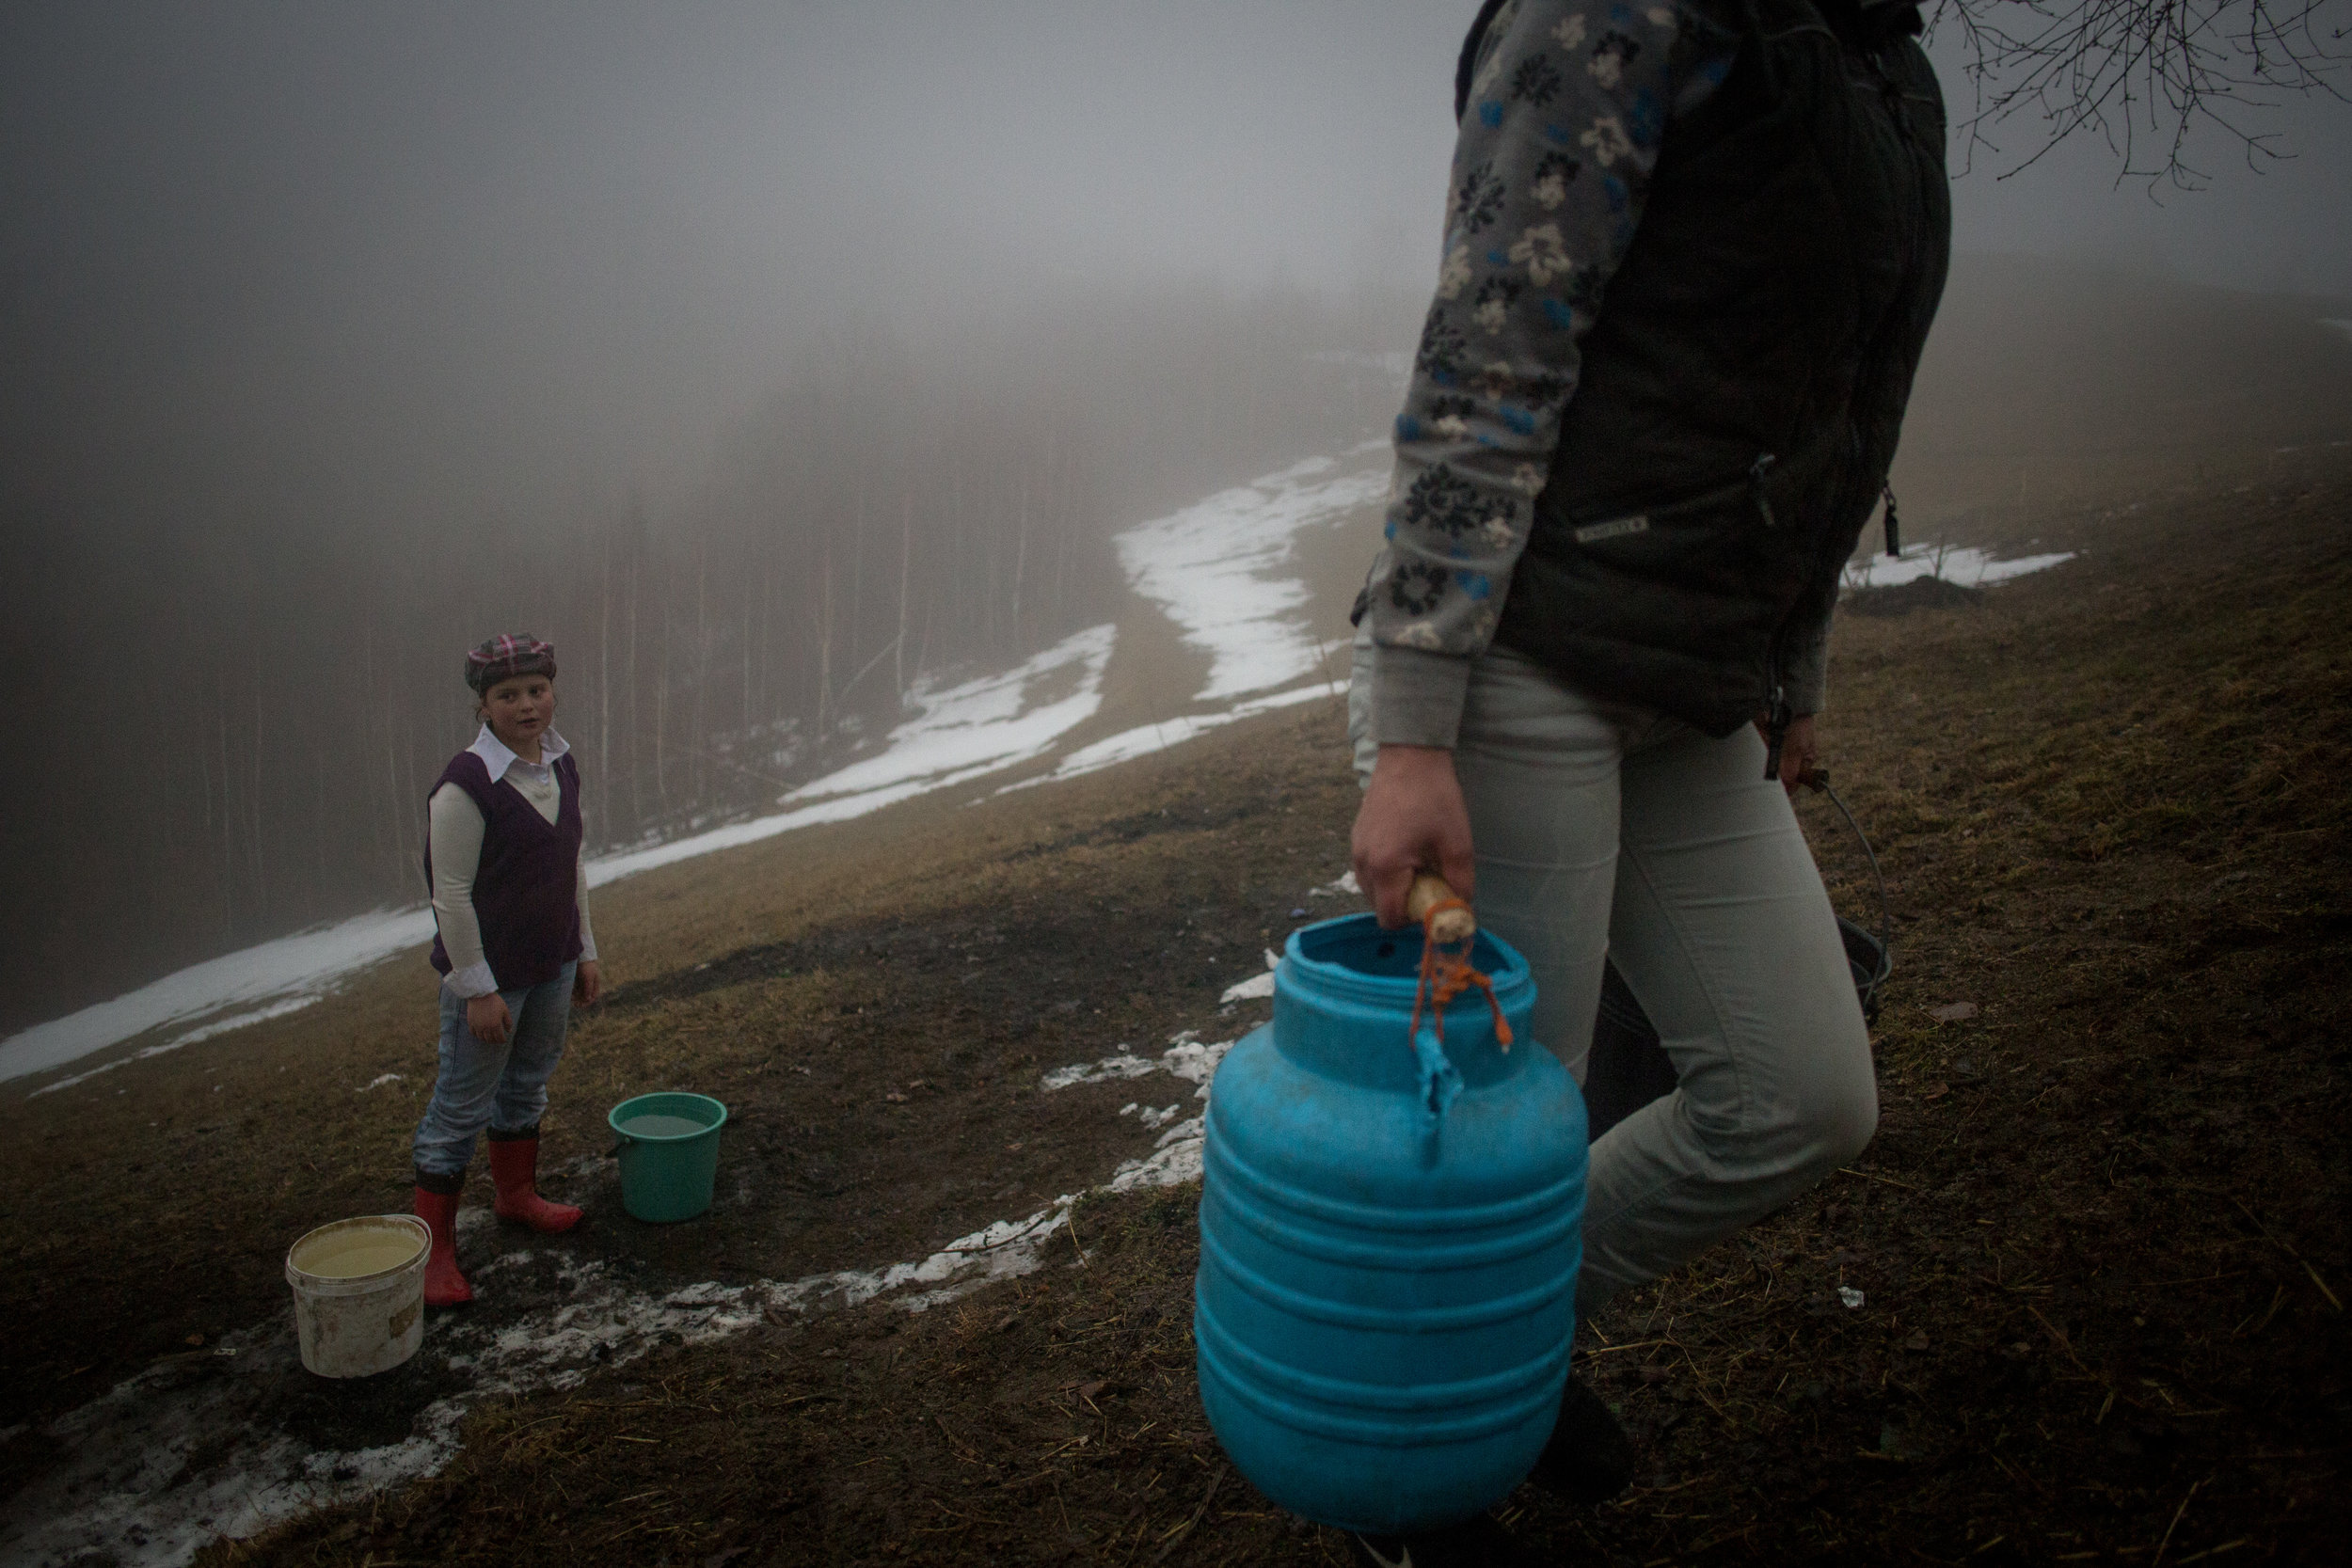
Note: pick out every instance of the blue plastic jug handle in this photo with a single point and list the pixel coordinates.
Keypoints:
(1440, 1080)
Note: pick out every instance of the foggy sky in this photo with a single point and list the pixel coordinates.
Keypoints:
(359, 259)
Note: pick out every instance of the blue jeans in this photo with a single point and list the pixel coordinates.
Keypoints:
(501, 1086)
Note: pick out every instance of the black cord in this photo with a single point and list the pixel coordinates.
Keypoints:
(1886, 919)
(1817, 779)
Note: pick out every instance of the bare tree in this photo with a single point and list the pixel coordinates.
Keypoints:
(604, 694)
(906, 553)
(824, 652)
(2144, 74)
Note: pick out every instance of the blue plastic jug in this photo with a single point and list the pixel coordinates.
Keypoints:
(1390, 1235)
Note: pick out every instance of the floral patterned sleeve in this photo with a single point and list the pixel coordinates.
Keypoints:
(1567, 106)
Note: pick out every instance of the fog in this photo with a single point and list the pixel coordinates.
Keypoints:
(567, 244)
(741, 344)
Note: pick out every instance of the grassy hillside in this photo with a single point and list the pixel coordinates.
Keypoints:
(2102, 1234)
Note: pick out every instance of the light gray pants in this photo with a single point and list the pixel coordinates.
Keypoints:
(1610, 832)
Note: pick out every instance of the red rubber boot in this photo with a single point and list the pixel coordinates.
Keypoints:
(443, 1285)
(514, 1172)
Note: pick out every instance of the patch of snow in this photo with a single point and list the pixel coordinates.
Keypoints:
(990, 723)
(1145, 739)
(1189, 1058)
(123, 1491)
(82, 1077)
(1003, 1250)
(211, 1031)
(378, 1081)
(1256, 988)
(1109, 1068)
(1175, 1158)
(1216, 568)
(268, 980)
(1186, 1057)
(962, 733)
(1969, 567)
(1175, 1161)
(1258, 985)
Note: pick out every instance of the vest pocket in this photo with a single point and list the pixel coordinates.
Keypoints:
(1733, 503)
(1719, 538)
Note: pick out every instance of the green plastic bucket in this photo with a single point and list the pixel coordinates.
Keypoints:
(667, 1171)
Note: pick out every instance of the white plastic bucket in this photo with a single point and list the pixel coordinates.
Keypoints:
(358, 1288)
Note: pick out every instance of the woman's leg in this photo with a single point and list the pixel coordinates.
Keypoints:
(1538, 765)
(542, 1014)
(1725, 935)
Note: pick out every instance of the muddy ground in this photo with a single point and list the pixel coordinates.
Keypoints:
(2101, 1238)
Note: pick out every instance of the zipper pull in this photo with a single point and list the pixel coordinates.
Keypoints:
(1893, 528)
(1758, 471)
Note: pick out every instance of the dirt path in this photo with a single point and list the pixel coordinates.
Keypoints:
(2100, 1242)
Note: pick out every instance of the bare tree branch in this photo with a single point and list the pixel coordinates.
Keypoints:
(2144, 74)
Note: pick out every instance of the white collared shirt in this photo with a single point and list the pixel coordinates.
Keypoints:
(534, 781)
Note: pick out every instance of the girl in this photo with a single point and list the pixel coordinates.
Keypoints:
(510, 902)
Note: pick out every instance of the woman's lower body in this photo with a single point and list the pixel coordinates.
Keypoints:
(502, 1089)
(1606, 832)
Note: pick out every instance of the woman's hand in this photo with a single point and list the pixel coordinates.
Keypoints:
(587, 984)
(1798, 750)
(1412, 819)
(488, 1016)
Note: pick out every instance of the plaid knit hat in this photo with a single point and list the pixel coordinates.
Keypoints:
(508, 654)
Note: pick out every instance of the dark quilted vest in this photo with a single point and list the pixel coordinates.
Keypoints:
(525, 892)
(1743, 388)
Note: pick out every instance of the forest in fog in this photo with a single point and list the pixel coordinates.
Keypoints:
(769, 359)
(225, 727)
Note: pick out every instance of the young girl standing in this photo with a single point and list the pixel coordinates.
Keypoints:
(510, 900)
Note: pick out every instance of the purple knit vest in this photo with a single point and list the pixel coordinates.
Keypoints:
(526, 891)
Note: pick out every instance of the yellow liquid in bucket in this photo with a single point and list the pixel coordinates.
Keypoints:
(657, 1126)
(363, 1256)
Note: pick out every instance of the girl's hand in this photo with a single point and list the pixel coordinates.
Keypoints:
(587, 984)
(488, 1016)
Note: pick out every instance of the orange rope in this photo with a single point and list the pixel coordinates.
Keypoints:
(1446, 974)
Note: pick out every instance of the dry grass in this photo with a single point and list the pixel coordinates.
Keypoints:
(2102, 1236)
